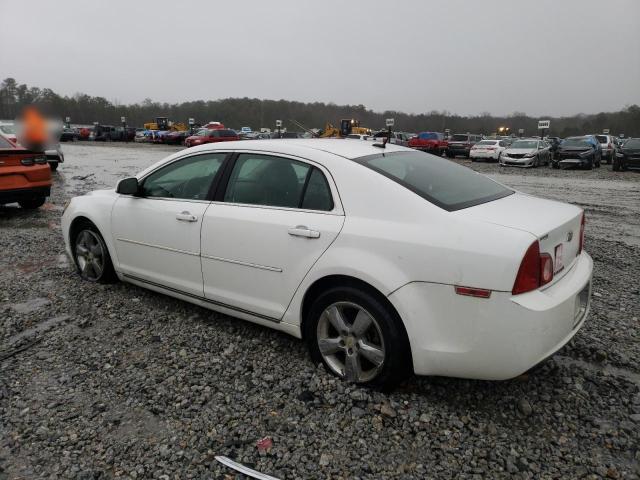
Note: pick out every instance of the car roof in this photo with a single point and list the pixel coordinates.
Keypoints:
(295, 146)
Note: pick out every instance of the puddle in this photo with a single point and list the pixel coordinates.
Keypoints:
(601, 369)
(30, 305)
(39, 328)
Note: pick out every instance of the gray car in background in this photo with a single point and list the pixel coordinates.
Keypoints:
(528, 152)
(608, 145)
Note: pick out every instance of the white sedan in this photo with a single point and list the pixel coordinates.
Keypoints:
(487, 150)
(384, 260)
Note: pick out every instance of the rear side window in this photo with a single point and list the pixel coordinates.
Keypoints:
(277, 182)
(439, 181)
(317, 195)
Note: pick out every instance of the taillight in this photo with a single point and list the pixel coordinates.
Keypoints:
(582, 222)
(535, 270)
(546, 269)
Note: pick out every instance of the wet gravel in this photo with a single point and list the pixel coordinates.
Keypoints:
(119, 382)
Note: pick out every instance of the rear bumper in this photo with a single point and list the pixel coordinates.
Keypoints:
(496, 338)
(10, 196)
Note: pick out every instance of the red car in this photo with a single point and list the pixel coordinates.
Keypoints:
(432, 142)
(211, 136)
(25, 176)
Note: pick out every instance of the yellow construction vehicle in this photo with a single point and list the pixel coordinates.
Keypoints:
(163, 123)
(347, 127)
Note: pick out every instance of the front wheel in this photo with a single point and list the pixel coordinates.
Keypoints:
(358, 338)
(32, 203)
(91, 256)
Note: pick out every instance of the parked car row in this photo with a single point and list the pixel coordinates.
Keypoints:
(585, 151)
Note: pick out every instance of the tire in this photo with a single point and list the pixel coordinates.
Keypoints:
(590, 164)
(54, 166)
(89, 253)
(616, 166)
(32, 203)
(536, 162)
(330, 323)
(555, 165)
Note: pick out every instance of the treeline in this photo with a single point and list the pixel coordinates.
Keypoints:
(253, 112)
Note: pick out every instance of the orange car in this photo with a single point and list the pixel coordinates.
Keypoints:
(25, 176)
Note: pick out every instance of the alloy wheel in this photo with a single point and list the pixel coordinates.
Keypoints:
(90, 255)
(350, 341)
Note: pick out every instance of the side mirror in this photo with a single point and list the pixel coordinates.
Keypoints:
(128, 186)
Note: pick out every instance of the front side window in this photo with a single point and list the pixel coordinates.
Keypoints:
(277, 182)
(189, 178)
(439, 181)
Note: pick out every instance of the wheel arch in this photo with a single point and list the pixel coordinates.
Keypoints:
(339, 280)
(75, 227)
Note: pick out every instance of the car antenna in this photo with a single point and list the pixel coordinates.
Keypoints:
(384, 141)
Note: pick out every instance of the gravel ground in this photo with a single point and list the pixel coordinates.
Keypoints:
(123, 382)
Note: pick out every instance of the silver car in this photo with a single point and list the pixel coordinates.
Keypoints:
(527, 152)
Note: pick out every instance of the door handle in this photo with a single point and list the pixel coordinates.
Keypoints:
(186, 217)
(302, 231)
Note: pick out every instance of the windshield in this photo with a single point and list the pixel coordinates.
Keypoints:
(437, 180)
(227, 133)
(459, 138)
(632, 143)
(576, 142)
(202, 133)
(8, 129)
(428, 136)
(525, 144)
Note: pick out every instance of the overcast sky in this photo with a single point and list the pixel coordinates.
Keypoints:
(543, 57)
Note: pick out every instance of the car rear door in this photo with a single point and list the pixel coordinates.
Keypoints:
(157, 232)
(273, 219)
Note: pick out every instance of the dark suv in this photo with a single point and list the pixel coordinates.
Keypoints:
(461, 143)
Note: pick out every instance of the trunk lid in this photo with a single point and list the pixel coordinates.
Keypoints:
(556, 225)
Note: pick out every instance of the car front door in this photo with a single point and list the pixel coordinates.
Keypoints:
(263, 233)
(157, 232)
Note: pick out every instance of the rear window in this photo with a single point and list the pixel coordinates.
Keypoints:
(602, 139)
(576, 142)
(633, 143)
(227, 133)
(459, 138)
(487, 142)
(428, 136)
(444, 183)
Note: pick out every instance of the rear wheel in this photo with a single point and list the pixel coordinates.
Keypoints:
(91, 255)
(358, 338)
(32, 203)
(54, 166)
